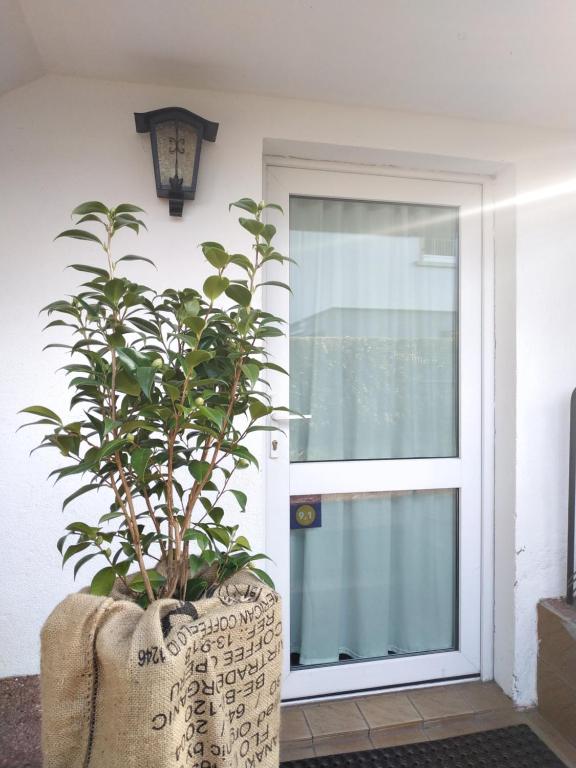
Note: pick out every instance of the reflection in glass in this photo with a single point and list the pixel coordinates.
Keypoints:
(378, 578)
(373, 330)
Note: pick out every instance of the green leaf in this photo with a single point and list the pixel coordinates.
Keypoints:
(191, 307)
(216, 256)
(172, 391)
(268, 232)
(122, 568)
(132, 359)
(111, 447)
(61, 306)
(87, 530)
(80, 492)
(156, 581)
(242, 542)
(240, 294)
(243, 261)
(196, 324)
(216, 514)
(196, 564)
(240, 559)
(215, 415)
(114, 289)
(198, 469)
(145, 378)
(73, 469)
(242, 452)
(40, 410)
(212, 244)
(254, 227)
(83, 561)
(56, 346)
(241, 498)
(268, 332)
(195, 588)
(130, 257)
(194, 358)
(144, 325)
(276, 283)
(35, 423)
(68, 444)
(263, 576)
(116, 340)
(90, 217)
(103, 581)
(275, 367)
(221, 535)
(209, 556)
(127, 384)
(135, 425)
(139, 459)
(251, 371)
(55, 323)
(80, 234)
(246, 204)
(259, 409)
(109, 425)
(73, 550)
(110, 516)
(93, 206)
(193, 535)
(88, 268)
(128, 208)
(127, 220)
(214, 286)
(273, 205)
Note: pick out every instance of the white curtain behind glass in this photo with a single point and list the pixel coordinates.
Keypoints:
(373, 362)
(377, 577)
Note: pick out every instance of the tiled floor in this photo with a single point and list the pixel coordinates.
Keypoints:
(391, 719)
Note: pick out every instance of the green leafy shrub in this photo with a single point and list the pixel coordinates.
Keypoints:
(165, 387)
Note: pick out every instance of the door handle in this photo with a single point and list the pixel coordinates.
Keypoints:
(291, 417)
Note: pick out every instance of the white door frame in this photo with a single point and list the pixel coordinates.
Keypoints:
(487, 385)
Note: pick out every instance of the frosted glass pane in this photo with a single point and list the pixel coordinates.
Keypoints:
(373, 330)
(377, 578)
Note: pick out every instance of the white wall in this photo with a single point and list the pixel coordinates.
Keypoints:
(65, 140)
(505, 429)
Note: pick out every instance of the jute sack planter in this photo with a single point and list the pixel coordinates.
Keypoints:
(179, 685)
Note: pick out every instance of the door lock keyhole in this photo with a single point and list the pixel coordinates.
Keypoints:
(274, 448)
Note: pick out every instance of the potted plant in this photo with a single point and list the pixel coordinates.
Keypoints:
(172, 657)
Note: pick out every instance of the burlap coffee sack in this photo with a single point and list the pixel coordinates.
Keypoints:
(180, 685)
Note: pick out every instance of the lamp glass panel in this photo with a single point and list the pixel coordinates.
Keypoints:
(176, 151)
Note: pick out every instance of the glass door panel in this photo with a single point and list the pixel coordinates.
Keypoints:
(359, 579)
(373, 330)
(377, 476)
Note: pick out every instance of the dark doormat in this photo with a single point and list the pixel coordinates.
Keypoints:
(514, 747)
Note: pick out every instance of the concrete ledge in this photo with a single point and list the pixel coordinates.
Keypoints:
(557, 666)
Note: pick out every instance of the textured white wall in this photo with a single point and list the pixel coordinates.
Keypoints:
(64, 140)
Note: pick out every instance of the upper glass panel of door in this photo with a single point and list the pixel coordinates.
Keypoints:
(373, 330)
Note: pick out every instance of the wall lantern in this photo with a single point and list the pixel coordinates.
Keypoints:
(176, 137)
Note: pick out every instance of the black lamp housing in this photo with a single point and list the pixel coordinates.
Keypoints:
(176, 136)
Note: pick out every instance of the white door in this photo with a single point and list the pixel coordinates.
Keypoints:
(374, 490)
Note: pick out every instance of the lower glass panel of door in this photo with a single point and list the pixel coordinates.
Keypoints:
(373, 575)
